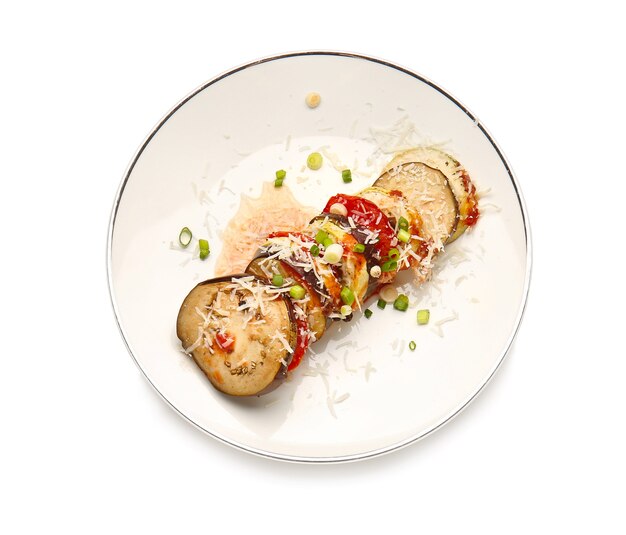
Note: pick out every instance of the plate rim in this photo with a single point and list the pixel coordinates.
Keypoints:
(304, 459)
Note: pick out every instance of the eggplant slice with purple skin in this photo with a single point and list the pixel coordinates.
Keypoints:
(428, 192)
(240, 332)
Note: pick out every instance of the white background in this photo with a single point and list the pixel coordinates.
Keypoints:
(89, 447)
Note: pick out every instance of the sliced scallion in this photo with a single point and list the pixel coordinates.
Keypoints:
(367, 313)
(205, 250)
(404, 235)
(359, 248)
(277, 280)
(346, 310)
(403, 223)
(278, 182)
(314, 250)
(381, 304)
(412, 345)
(394, 254)
(321, 236)
(347, 295)
(184, 238)
(346, 175)
(389, 265)
(281, 174)
(314, 161)
(423, 316)
(401, 303)
(297, 291)
(327, 241)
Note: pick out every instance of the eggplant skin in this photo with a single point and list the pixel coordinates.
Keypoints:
(257, 356)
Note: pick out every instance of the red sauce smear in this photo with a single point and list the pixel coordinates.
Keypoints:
(225, 341)
(472, 215)
(302, 325)
(366, 214)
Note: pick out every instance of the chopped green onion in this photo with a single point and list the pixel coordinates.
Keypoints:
(346, 310)
(347, 295)
(281, 174)
(204, 249)
(184, 238)
(423, 316)
(390, 265)
(346, 175)
(394, 254)
(401, 303)
(412, 345)
(314, 161)
(359, 248)
(333, 253)
(381, 304)
(403, 223)
(404, 235)
(297, 291)
(367, 313)
(277, 280)
(320, 236)
(327, 241)
(278, 182)
(314, 250)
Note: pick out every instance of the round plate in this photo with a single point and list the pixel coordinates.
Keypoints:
(363, 392)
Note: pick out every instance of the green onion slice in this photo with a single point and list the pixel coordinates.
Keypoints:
(401, 303)
(320, 236)
(403, 223)
(327, 241)
(347, 295)
(367, 313)
(297, 291)
(204, 249)
(381, 304)
(390, 265)
(404, 235)
(277, 280)
(423, 316)
(278, 182)
(359, 248)
(346, 175)
(281, 174)
(184, 238)
(394, 254)
(412, 345)
(314, 250)
(314, 161)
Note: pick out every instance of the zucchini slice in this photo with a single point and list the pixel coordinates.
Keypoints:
(428, 192)
(240, 333)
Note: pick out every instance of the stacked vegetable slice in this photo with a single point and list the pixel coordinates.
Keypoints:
(247, 331)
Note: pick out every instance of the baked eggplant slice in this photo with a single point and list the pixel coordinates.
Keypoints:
(265, 268)
(458, 179)
(428, 192)
(240, 331)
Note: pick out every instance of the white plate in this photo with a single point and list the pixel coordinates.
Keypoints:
(229, 136)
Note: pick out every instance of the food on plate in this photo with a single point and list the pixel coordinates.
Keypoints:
(247, 331)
